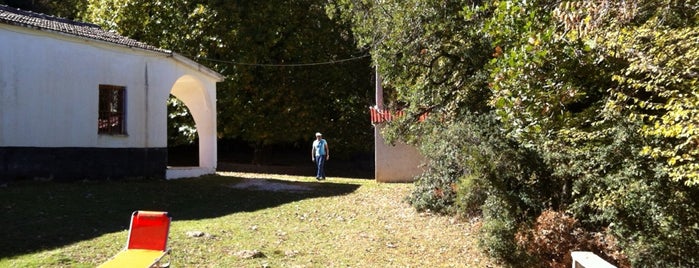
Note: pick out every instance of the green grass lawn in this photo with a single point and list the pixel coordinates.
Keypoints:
(292, 221)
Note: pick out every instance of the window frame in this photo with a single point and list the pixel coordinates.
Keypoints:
(111, 116)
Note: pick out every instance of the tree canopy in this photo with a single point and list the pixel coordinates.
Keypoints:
(584, 107)
(291, 71)
(587, 108)
(69, 9)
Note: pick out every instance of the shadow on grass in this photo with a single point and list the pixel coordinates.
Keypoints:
(42, 215)
(333, 169)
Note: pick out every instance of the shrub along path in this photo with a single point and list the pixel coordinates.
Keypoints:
(235, 220)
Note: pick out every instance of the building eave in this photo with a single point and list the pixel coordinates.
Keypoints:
(197, 66)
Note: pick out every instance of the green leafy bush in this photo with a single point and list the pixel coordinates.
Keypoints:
(436, 188)
(473, 167)
(618, 190)
(472, 191)
(497, 233)
(596, 116)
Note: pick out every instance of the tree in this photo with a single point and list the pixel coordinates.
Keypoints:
(661, 87)
(272, 95)
(277, 101)
(69, 9)
(573, 88)
(578, 82)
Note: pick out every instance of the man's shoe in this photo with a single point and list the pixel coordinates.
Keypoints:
(317, 178)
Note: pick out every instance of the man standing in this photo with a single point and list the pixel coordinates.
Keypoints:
(319, 154)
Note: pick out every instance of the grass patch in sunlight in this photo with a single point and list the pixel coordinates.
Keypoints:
(339, 222)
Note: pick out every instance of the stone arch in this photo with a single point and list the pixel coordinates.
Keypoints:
(201, 103)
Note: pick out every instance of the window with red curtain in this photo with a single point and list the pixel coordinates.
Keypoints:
(112, 106)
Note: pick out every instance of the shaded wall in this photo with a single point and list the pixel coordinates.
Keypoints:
(395, 163)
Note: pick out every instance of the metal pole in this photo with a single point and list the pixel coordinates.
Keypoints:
(379, 91)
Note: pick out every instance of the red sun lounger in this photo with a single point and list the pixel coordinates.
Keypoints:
(147, 242)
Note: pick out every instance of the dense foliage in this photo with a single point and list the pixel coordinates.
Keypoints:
(583, 107)
(545, 115)
(69, 9)
(290, 70)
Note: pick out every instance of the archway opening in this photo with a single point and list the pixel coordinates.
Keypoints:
(182, 135)
(200, 102)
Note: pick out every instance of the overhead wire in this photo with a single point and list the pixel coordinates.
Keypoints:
(285, 64)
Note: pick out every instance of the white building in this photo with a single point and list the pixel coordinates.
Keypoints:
(397, 162)
(78, 102)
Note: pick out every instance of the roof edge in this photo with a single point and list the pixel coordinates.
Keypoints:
(198, 66)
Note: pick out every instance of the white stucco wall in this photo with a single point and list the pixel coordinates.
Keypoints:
(395, 163)
(202, 105)
(49, 85)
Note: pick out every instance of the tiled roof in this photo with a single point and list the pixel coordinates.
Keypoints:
(13, 16)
